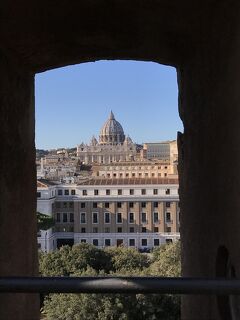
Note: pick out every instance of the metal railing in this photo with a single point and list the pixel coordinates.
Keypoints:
(125, 285)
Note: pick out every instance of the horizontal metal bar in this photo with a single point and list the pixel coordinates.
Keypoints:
(126, 285)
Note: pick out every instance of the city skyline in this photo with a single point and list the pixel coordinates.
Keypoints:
(72, 103)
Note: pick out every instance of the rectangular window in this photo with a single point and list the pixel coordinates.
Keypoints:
(107, 230)
(131, 229)
(119, 204)
(133, 174)
(65, 217)
(169, 229)
(143, 191)
(60, 192)
(119, 192)
(144, 217)
(131, 242)
(83, 230)
(155, 204)
(144, 242)
(143, 204)
(95, 217)
(95, 205)
(131, 217)
(66, 192)
(131, 204)
(167, 191)
(144, 229)
(168, 204)
(95, 230)
(58, 204)
(156, 242)
(155, 217)
(131, 192)
(96, 192)
(58, 218)
(83, 205)
(70, 204)
(38, 194)
(106, 204)
(168, 241)
(73, 192)
(108, 192)
(84, 192)
(82, 217)
(95, 242)
(64, 204)
(119, 229)
(155, 191)
(107, 217)
(156, 229)
(107, 242)
(119, 217)
(168, 216)
(83, 241)
(71, 217)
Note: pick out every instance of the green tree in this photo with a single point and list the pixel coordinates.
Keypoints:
(44, 222)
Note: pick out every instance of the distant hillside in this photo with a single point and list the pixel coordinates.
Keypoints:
(41, 153)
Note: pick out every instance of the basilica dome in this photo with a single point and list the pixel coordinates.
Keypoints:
(111, 132)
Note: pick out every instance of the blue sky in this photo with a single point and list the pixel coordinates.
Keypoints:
(72, 103)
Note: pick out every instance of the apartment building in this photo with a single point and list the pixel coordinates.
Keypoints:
(141, 213)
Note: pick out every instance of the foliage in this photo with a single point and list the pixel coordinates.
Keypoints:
(44, 222)
(87, 260)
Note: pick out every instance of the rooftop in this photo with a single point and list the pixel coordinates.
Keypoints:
(126, 181)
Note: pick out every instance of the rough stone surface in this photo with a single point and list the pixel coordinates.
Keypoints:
(201, 39)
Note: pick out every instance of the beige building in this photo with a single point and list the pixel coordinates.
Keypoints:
(165, 150)
(112, 146)
(140, 213)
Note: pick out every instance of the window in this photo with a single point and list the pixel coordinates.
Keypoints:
(106, 204)
(156, 242)
(119, 229)
(66, 192)
(58, 204)
(83, 205)
(107, 230)
(38, 194)
(144, 217)
(95, 204)
(144, 242)
(143, 191)
(131, 192)
(73, 192)
(119, 192)
(168, 241)
(131, 229)
(168, 216)
(144, 229)
(70, 204)
(155, 204)
(119, 217)
(83, 240)
(83, 230)
(95, 230)
(119, 204)
(133, 174)
(107, 242)
(58, 217)
(167, 191)
(108, 192)
(71, 217)
(107, 217)
(143, 204)
(84, 192)
(156, 229)
(131, 242)
(96, 192)
(95, 242)
(131, 204)
(131, 217)
(65, 217)
(146, 174)
(155, 217)
(60, 192)
(168, 204)
(95, 217)
(155, 191)
(64, 204)
(169, 229)
(83, 217)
